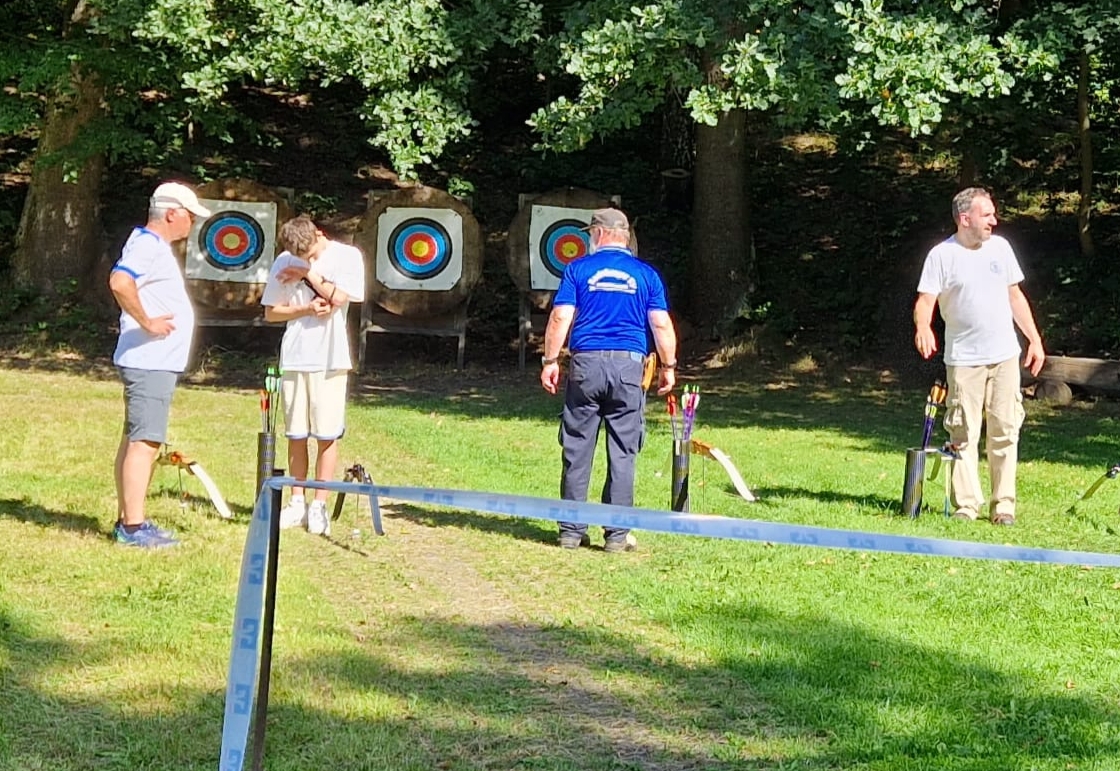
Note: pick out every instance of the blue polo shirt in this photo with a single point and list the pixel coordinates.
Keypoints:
(613, 292)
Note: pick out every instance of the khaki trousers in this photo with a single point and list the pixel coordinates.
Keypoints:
(990, 392)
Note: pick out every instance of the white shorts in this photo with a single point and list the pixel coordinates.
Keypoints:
(314, 404)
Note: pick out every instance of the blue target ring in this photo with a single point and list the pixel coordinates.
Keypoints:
(562, 243)
(420, 248)
(231, 240)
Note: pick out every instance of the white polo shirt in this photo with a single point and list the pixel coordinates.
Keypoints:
(159, 280)
(313, 344)
(972, 290)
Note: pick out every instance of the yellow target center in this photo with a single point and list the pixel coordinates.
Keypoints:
(231, 240)
(419, 250)
(569, 250)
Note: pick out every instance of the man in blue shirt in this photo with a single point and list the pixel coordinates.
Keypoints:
(610, 301)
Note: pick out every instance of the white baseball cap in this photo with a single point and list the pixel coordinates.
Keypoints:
(172, 195)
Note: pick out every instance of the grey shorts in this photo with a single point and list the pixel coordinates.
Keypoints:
(147, 403)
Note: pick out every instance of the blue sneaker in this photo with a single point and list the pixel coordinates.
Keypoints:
(151, 526)
(147, 536)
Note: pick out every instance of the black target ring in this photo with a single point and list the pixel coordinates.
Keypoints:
(231, 240)
(420, 248)
(562, 243)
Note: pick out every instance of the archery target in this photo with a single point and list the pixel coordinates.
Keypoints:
(419, 248)
(556, 238)
(235, 243)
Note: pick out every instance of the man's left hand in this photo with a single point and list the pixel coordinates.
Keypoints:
(666, 381)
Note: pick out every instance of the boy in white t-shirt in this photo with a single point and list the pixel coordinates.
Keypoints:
(974, 276)
(310, 287)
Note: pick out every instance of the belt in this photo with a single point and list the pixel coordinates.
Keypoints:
(613, 355)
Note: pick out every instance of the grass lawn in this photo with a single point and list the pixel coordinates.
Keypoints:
(469, 641)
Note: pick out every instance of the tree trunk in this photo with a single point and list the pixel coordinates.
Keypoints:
(1085, 142)
(59, 229)
(968, 170)
(722, 276)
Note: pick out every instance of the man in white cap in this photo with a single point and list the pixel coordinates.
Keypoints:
(156, 327)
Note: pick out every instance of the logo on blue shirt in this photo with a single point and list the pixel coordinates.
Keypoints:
(610, 280)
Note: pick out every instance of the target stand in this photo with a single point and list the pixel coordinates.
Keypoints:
(452, 324)
(530, 321)
(426, 258)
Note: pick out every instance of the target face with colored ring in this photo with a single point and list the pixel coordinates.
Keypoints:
(556, 239)
(562, 243)
(236, 243)
(231, 240)
(420, 248)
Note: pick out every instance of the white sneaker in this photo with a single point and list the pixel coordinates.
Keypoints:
(294, 514)
(318, 522)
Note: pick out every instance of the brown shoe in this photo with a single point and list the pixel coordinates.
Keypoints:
(1003, 519)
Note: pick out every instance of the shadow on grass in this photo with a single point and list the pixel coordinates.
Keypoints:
(527, 696)
(511, 527)
(25, 511)
(774, 496)
(805, 691)
(63, 732)
(199, 503)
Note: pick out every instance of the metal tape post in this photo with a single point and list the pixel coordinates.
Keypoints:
(245, 648)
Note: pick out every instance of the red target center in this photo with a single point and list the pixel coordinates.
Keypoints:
(568, 248)
(421, 248)
(231, 240)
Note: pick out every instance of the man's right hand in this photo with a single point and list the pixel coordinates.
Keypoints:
(160, 326)
(550, 377)
(925, 341)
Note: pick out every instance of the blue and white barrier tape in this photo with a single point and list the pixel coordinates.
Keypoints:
(245, 652)
(710, 526)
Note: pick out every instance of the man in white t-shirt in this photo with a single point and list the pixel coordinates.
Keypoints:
(310, 287)
(156, 327)
(974, 277)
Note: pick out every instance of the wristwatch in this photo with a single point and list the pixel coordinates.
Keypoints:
(545, 361)
(672, 365)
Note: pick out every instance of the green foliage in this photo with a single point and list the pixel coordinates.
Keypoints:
(168, 67)
(759, 56)
(316, 205)
(906, 67)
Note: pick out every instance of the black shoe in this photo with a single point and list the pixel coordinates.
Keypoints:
(629, 543)
(574, 540)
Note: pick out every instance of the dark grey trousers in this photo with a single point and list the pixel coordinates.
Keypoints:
(604, 388)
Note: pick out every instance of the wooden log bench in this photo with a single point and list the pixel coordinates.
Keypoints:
(1096, 376)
